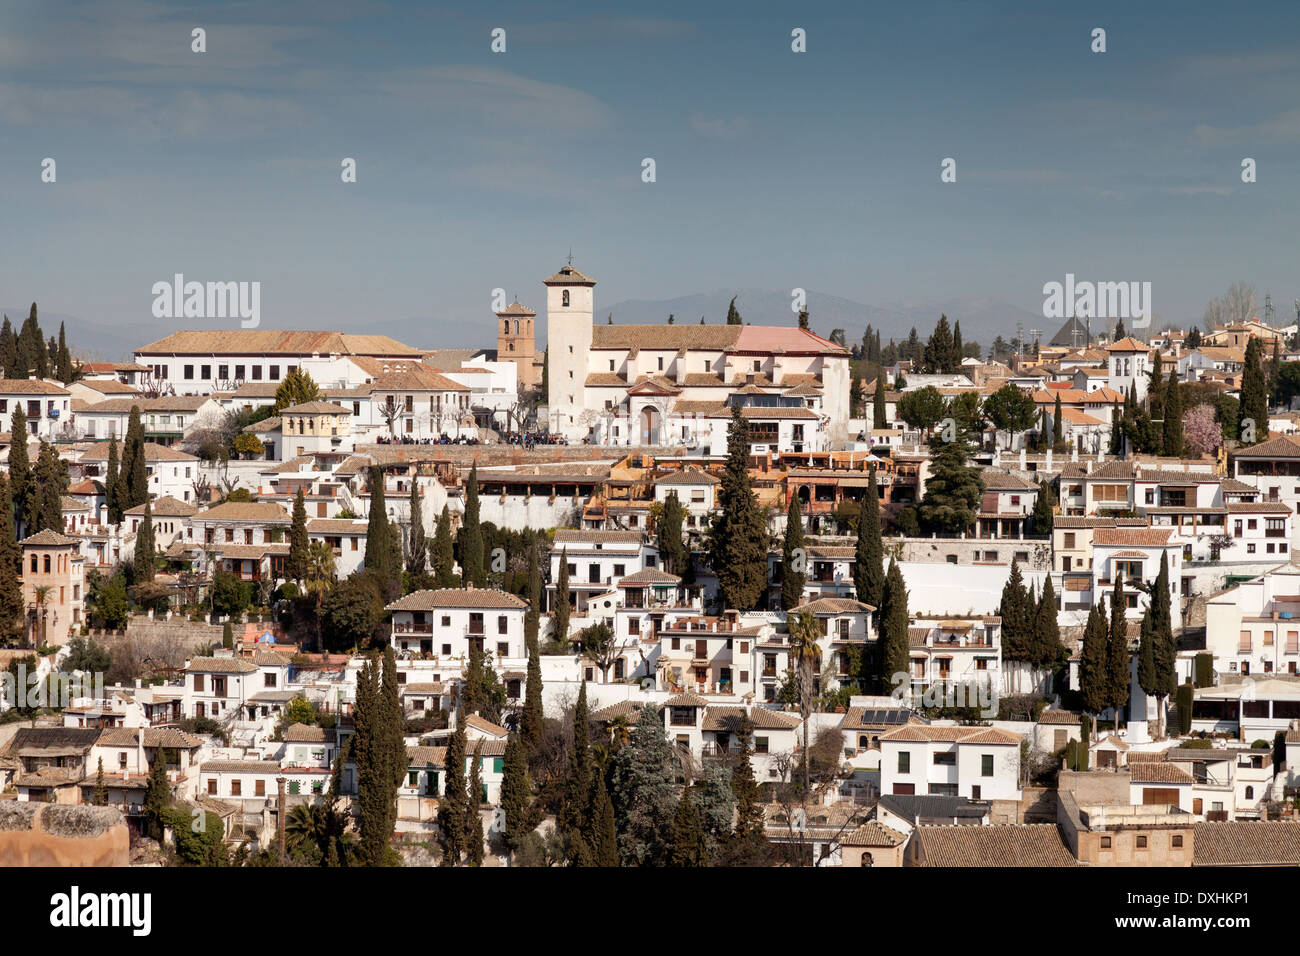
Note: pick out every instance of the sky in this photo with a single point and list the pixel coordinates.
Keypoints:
(773, 169)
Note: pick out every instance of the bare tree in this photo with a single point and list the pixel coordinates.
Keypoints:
(1235, 306)
(390, 411)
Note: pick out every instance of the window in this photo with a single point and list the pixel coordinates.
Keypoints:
(275, 373)
(1176, 841)
(760, 745)
(206, 370)
(236, 788)
(503, 649)
(945, 760)
(198, 683)
(502, 624)
(986, 765)
(564, 299)
(1069, 540)
(904, 762)
(1105, 843)
(1141, 841)
(446, 620)
(259, 788)
(212, 787)
(188, 372)
(239, 371)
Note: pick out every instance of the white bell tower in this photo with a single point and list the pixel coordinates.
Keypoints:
(570, 306)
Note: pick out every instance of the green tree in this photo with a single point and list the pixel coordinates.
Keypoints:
(921, 408)
(383, 558)
(144, 563)
(574, 815)
(12, 603)
(49, 484)
(113, 484)
(372, 749)
(296, 565)
(644, 792)
(604, 837)
(878, 419)
(952, 492)
(894, 620)
(1011, 409)
(869, 554)
(939, 353)
(733, 314)
(1118, 656)
(471, 535)
(134, 473)
(158, 796)
(100, 797)
(562, 599)
(531, 720)
(1173, 423)
(516, 795)
(1049, 652)
(749, 807)
(1043, 515)
(1254, 396)
(452, 808)
(20, 474)
(474, 820)
(793, 558)
(1164, 647)
(672, 550)
(738, 539)
(417, 549)
(688, 847)
(297, 388)
(444, 562)
(1018, 614)
(1094, 679)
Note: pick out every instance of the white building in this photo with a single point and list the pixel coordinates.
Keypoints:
(980, 763)
(446, 622)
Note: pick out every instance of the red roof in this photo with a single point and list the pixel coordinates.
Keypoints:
(773, 338)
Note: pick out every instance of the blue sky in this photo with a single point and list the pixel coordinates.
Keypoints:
(774, 169)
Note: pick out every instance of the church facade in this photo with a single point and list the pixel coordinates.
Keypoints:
(676, 384)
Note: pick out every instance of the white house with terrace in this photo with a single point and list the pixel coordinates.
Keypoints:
(1254, 628)
(47, 405)
(444, 624)
(597, 561)
(979, 763)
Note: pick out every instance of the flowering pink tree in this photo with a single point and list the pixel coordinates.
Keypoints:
(1201, 433)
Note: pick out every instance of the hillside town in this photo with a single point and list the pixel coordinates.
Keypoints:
(755, 596)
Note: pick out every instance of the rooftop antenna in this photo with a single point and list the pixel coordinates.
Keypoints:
(570, 255)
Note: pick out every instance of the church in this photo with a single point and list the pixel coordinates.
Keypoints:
(676, 384)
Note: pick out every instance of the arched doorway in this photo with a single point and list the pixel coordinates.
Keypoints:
(650, 420)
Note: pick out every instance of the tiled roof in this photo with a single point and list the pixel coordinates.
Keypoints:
(316, 408)
(835, 606)
(1052, 716)
(28, 386)
(569, 276)
(165, 507)
(567, 536)
(923, 733)
(241, 766)
(873, 834)
(1131, 537)
(305, 734)
(264, 341)
(479, 723)
(624, 708)
(1286, 446)
(1128, 344)
(649, 576)
(47, 538)
(686, 700)
(517, 308)
(1252, 843)
(1037, 844)
(760, 718)
(244, 511)
(172, 738)
(457, 597)
(152, 452)
(221, 665)
(1156, 771)
(687, 476)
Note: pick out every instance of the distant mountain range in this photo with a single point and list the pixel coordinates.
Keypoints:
(982, 319)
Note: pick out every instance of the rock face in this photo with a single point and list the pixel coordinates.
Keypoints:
(48, 834)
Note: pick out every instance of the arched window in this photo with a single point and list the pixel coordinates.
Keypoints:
(505, 326)
(1250, 793)
(47, 564)
(516, 326)
(564, 298)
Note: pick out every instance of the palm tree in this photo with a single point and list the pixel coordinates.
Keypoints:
(41, 595)
(319, 825)
(320, 577)
(805, 660)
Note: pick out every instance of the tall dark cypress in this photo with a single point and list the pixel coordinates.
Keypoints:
(516, 795)
(869, 563)
(452, 808)
(604, 836)
(63, 363)
(1118, 656)
(417, 551)
(11, 593)
(112, 484)
(1173, 424)
(878, 403)
(562, 608)
(444, 560)
(8, 351)
(733, 314)
(575, 810)
(688, 846)
(669, 534)
(1017, 619)
(739, 534)
(1254, 397)
(20, 472)
(383, 551)
(794, 558)
(473, 813)
(143, 564)
(530, 721)
(471, 535)
(133, 463)
(893, 629)
(296, 567)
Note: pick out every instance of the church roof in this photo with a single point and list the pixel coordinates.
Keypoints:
(517, 308)
(569, 276)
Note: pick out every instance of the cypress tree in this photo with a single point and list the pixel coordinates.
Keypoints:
(144, 562)
(516, 795)
(878, 403)
(1147, 658)
(793, 558)
(575, 810)
(49, 484)
(8, 351)
(1164, 648)
(562, 608)
(1254, 395)
(1118, 655)
(471, 535)
(63, 365)
(367, 748)
(733, 314)
(444, 562)
(133, 464)
(296, 567)
(1017, 621)
(1048, 650)
(474, 818)
(957, 347)
(394, 744)
(1173, 424)
(417, 550)
(739, 535)
(688, 847)
(869, 563)
(604, 841)
(452, 809)
(228, 636)
(938, 351)
(112, 485)
(893, 629)
(1094, 680)
(1042, 517)
(749, 808)
(12, 603)
(530, 722)
(1058, 426)
(20, 472)
(383, 557)
(100, 798)
(158, 797)
(669, 534)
